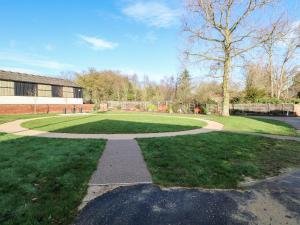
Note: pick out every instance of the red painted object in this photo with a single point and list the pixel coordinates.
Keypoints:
(30, 109)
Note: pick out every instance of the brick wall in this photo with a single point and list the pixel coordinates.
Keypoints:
(29, 109)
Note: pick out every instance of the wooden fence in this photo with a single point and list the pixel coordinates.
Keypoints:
(257, 109)
(265, 109)
(235, 109)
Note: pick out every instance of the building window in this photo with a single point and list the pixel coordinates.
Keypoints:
(68, 92)
(6, 88)
(57, 91)
(44, 90)
(78, 93)
(25, 89)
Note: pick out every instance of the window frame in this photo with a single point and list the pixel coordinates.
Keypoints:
(78, 92)
(21, 89)
(60, 91)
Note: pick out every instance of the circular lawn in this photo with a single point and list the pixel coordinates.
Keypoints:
(114, 124)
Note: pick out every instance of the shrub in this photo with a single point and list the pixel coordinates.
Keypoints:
(152, 107)
(253, 94)
(170, 108)
(96, 107)
(138, 106)
(203, 110)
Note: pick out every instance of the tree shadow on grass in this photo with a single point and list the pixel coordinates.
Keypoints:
(55, 122)
(272, 121)
(118, 126)
(287, 127)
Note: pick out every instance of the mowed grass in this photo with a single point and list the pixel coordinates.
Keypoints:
(254, 125)
(42, 181)
(216, 160)
(114, 123)
(121, 122)
(9, 118)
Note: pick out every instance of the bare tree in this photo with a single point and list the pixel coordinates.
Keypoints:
(222, 25)
(269, 45)
(286, 71)
(282, 44)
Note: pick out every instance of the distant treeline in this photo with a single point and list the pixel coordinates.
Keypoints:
(109, 85)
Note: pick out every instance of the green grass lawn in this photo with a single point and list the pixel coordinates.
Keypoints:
(114, 123)
(146, 123)
(42, 181)
(216, 160)
(254, 125)
(9, 118)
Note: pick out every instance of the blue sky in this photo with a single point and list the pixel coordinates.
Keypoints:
(48, 37)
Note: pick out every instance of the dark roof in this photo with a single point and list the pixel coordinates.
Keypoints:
(23, 77)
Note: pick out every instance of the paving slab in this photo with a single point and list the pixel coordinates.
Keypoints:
(121, 163)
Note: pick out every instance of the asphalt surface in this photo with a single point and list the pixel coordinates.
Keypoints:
(275, 201)
(121, 163)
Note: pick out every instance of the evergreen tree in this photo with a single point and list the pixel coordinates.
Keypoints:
(184, 87)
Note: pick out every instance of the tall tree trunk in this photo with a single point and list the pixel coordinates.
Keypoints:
(280, 83)
(226, 75)
(271, 74)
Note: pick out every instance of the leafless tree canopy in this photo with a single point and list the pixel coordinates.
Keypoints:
(220, 31)
(216, 20)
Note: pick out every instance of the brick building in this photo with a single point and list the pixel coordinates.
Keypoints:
(26, 93)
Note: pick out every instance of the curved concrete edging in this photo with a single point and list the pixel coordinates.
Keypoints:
(15, 128)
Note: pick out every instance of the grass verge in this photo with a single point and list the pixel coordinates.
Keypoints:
(42, 181)
(216, 160)
(254, 125)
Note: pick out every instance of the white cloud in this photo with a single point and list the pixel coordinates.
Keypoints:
(98, 43)
(29, 60)
(152, 13)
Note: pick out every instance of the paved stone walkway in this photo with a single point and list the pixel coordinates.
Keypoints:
(271, 202)
(16, 129)
(121, 163)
